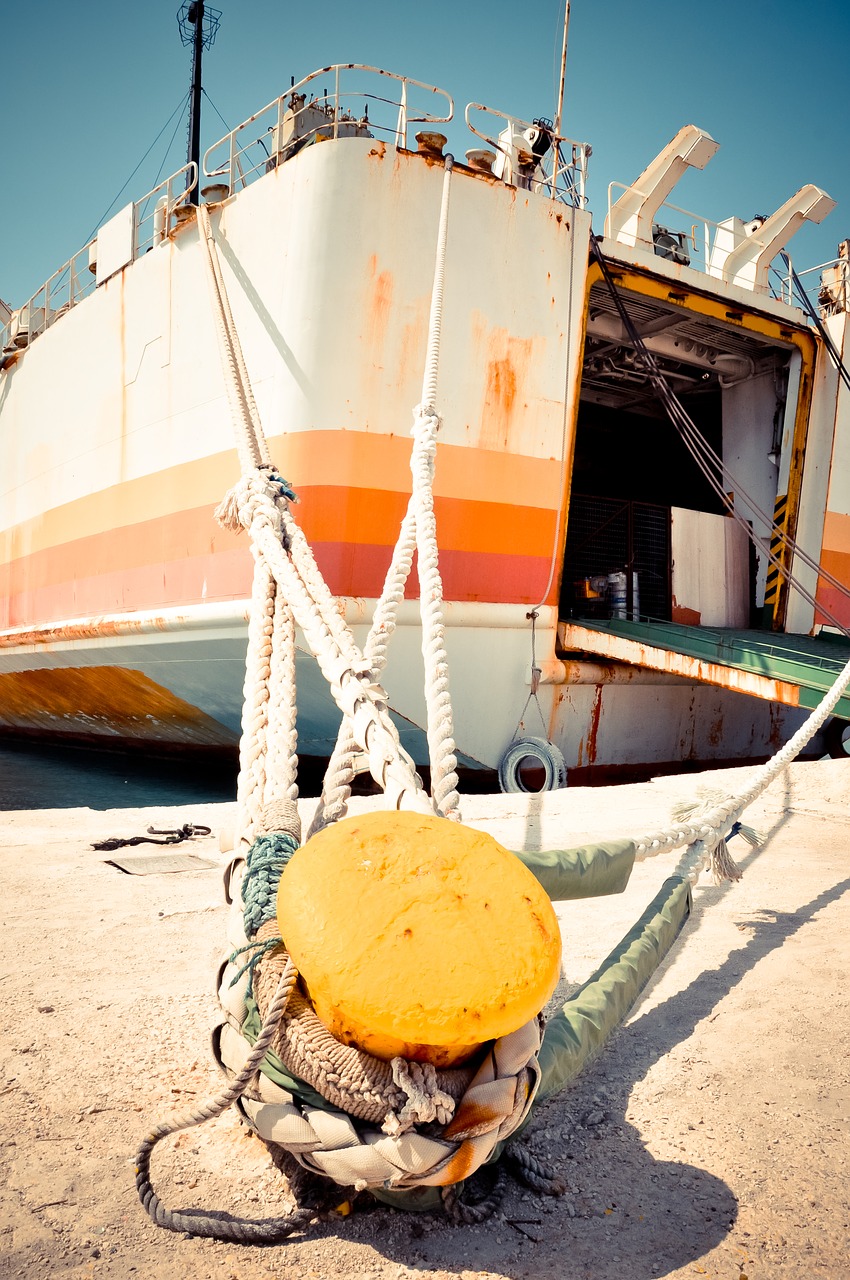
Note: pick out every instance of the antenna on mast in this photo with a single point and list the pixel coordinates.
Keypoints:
(198, 23)
(560, 109)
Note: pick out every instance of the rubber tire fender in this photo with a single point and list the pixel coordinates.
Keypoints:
(548, 756)
(833, 736)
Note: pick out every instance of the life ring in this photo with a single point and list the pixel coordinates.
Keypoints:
(541, 752)
(836, 737)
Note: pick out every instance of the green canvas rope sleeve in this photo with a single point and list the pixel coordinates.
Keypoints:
(591, 871)
(577, 1033)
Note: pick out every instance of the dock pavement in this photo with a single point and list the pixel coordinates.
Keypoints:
(709, 1139)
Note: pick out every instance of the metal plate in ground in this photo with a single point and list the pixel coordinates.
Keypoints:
(149, 864)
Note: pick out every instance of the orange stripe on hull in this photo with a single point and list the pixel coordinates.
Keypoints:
(837, 604)
(351, 460)
(467, 576)
(373, 516)
(838, 564)
(488, 552)
(192, 580)
(836, 532)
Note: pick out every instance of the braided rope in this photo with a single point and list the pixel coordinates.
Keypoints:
(282, 733)
(706, 832)
(418, 532)
(336, 787)
(345, 668)
(197, 1222)
(266, 860)
(363, 1155)
(250, 442)
(251, 785)
(441, 744)
(364, 1086)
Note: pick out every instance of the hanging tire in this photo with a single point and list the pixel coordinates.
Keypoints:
(541, 754)
(836, 737)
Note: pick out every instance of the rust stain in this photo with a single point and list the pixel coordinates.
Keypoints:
(98, 628)
(111, 702)
(593, 729)
(640, 654)
(471, 1119)
(378, 307)
(414, 338)
(715, 731)
(460, 1166)
(507, 361)
(777, 728)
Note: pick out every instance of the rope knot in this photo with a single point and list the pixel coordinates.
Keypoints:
(426, 1101)
(283, 488)
(426, 424)
(257, 496)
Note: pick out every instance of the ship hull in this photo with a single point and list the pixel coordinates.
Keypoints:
(124, 614)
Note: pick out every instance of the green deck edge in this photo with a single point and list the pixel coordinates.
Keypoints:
(810, 663)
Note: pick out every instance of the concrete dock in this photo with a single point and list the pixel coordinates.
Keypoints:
(710, 1139)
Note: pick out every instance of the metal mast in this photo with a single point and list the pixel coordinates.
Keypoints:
(198, 23)
(560, 107)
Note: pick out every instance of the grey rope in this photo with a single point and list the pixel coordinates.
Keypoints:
(463, 1208)
(535, 1173)
(197, 1222)
(466, 1212)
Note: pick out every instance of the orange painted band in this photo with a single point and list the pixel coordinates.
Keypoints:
(467, 576)
(339, 460)
(356, 516)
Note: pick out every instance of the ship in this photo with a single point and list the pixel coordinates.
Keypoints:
(620, 594)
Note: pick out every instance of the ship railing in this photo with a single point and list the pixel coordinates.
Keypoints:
(336, 102)
(153, 216)
(158, 211)
(529, 155)
(691, 240)
(65, 288)
(827, 285)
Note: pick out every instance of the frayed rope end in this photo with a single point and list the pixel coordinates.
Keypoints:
(723, 866)
(227, 512)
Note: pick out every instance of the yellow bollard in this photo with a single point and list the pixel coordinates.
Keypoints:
(417, 937)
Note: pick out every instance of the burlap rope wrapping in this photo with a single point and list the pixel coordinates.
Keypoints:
(464, 1114)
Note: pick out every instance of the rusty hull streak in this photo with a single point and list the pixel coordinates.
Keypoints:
(640, 654)
(46, 637)
(593, 727)
(109, 701)
(88, 629)
(109, 626)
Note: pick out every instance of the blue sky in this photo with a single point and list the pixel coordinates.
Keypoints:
(89, 85)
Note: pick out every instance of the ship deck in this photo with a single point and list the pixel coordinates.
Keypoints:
(796, 670)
